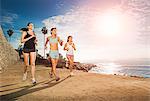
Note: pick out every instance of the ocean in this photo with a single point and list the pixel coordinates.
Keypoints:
(122, 69)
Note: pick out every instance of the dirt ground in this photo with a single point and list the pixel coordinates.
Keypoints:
(81, 87)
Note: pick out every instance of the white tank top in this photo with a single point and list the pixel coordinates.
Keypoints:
(70, 51)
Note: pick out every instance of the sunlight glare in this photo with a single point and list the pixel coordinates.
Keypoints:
(108, 24)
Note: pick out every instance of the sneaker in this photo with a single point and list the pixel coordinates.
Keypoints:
(51, 75)
(57, 78)
(33, 81)
(71, 74)
(24, 76)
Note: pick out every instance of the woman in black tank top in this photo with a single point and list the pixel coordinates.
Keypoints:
(29, 40)
(29, 46)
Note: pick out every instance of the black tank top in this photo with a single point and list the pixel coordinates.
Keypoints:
(30, 44)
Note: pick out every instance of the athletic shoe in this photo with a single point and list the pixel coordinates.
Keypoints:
(57, 78)
(51, 75)
(71, 74)
(33, 81)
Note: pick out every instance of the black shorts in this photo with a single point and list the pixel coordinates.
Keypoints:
(28, 50)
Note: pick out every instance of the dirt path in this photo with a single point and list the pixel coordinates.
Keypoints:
(82, 87)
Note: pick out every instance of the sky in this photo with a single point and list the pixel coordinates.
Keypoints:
(101, 29)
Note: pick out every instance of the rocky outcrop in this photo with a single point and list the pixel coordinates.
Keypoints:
(83, 66)
(8, 55)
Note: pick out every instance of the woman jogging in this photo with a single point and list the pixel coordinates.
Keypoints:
(70, 47)
(29, 40)
(54, 52)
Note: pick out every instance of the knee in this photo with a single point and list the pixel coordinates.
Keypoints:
(33, 64)
(53, 63)
(71, 62)
(26, 65)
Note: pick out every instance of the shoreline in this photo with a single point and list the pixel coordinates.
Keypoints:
(122, 70)
(124, 75)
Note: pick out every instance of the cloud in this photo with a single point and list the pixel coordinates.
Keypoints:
(81, 24)
(140, 10)
(8, 18)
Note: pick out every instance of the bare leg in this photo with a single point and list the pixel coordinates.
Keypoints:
(51, 73)
(70, 63)
(53, 67)
(54, 64)
(32, 63)
(26, 62)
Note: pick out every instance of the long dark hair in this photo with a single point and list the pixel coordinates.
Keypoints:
(68, 38)
(24, 29)
(29, 23)
(52, 29)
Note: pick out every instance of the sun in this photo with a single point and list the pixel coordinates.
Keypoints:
(108, 23)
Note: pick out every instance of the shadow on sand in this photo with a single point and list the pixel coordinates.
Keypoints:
(28, 89)
(8, 85)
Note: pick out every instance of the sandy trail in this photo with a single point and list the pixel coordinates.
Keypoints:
(82, 87)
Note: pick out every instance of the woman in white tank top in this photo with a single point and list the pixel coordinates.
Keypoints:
(70, 47)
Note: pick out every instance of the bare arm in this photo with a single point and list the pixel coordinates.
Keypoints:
(60, 41)
(35, 40)
(65, 47)
(74, 46)
(23, 40)
(47, 40)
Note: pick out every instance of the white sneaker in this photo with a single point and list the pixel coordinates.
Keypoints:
(51, 75)
(33, 81)
(24, 76)
(71, 74)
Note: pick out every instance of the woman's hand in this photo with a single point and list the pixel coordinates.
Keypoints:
(61, 42)
(45, 47)
(67, 49)
(74, 46)
(35, 41)
(33, 36)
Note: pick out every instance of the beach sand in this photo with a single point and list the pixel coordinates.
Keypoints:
(82, 87)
